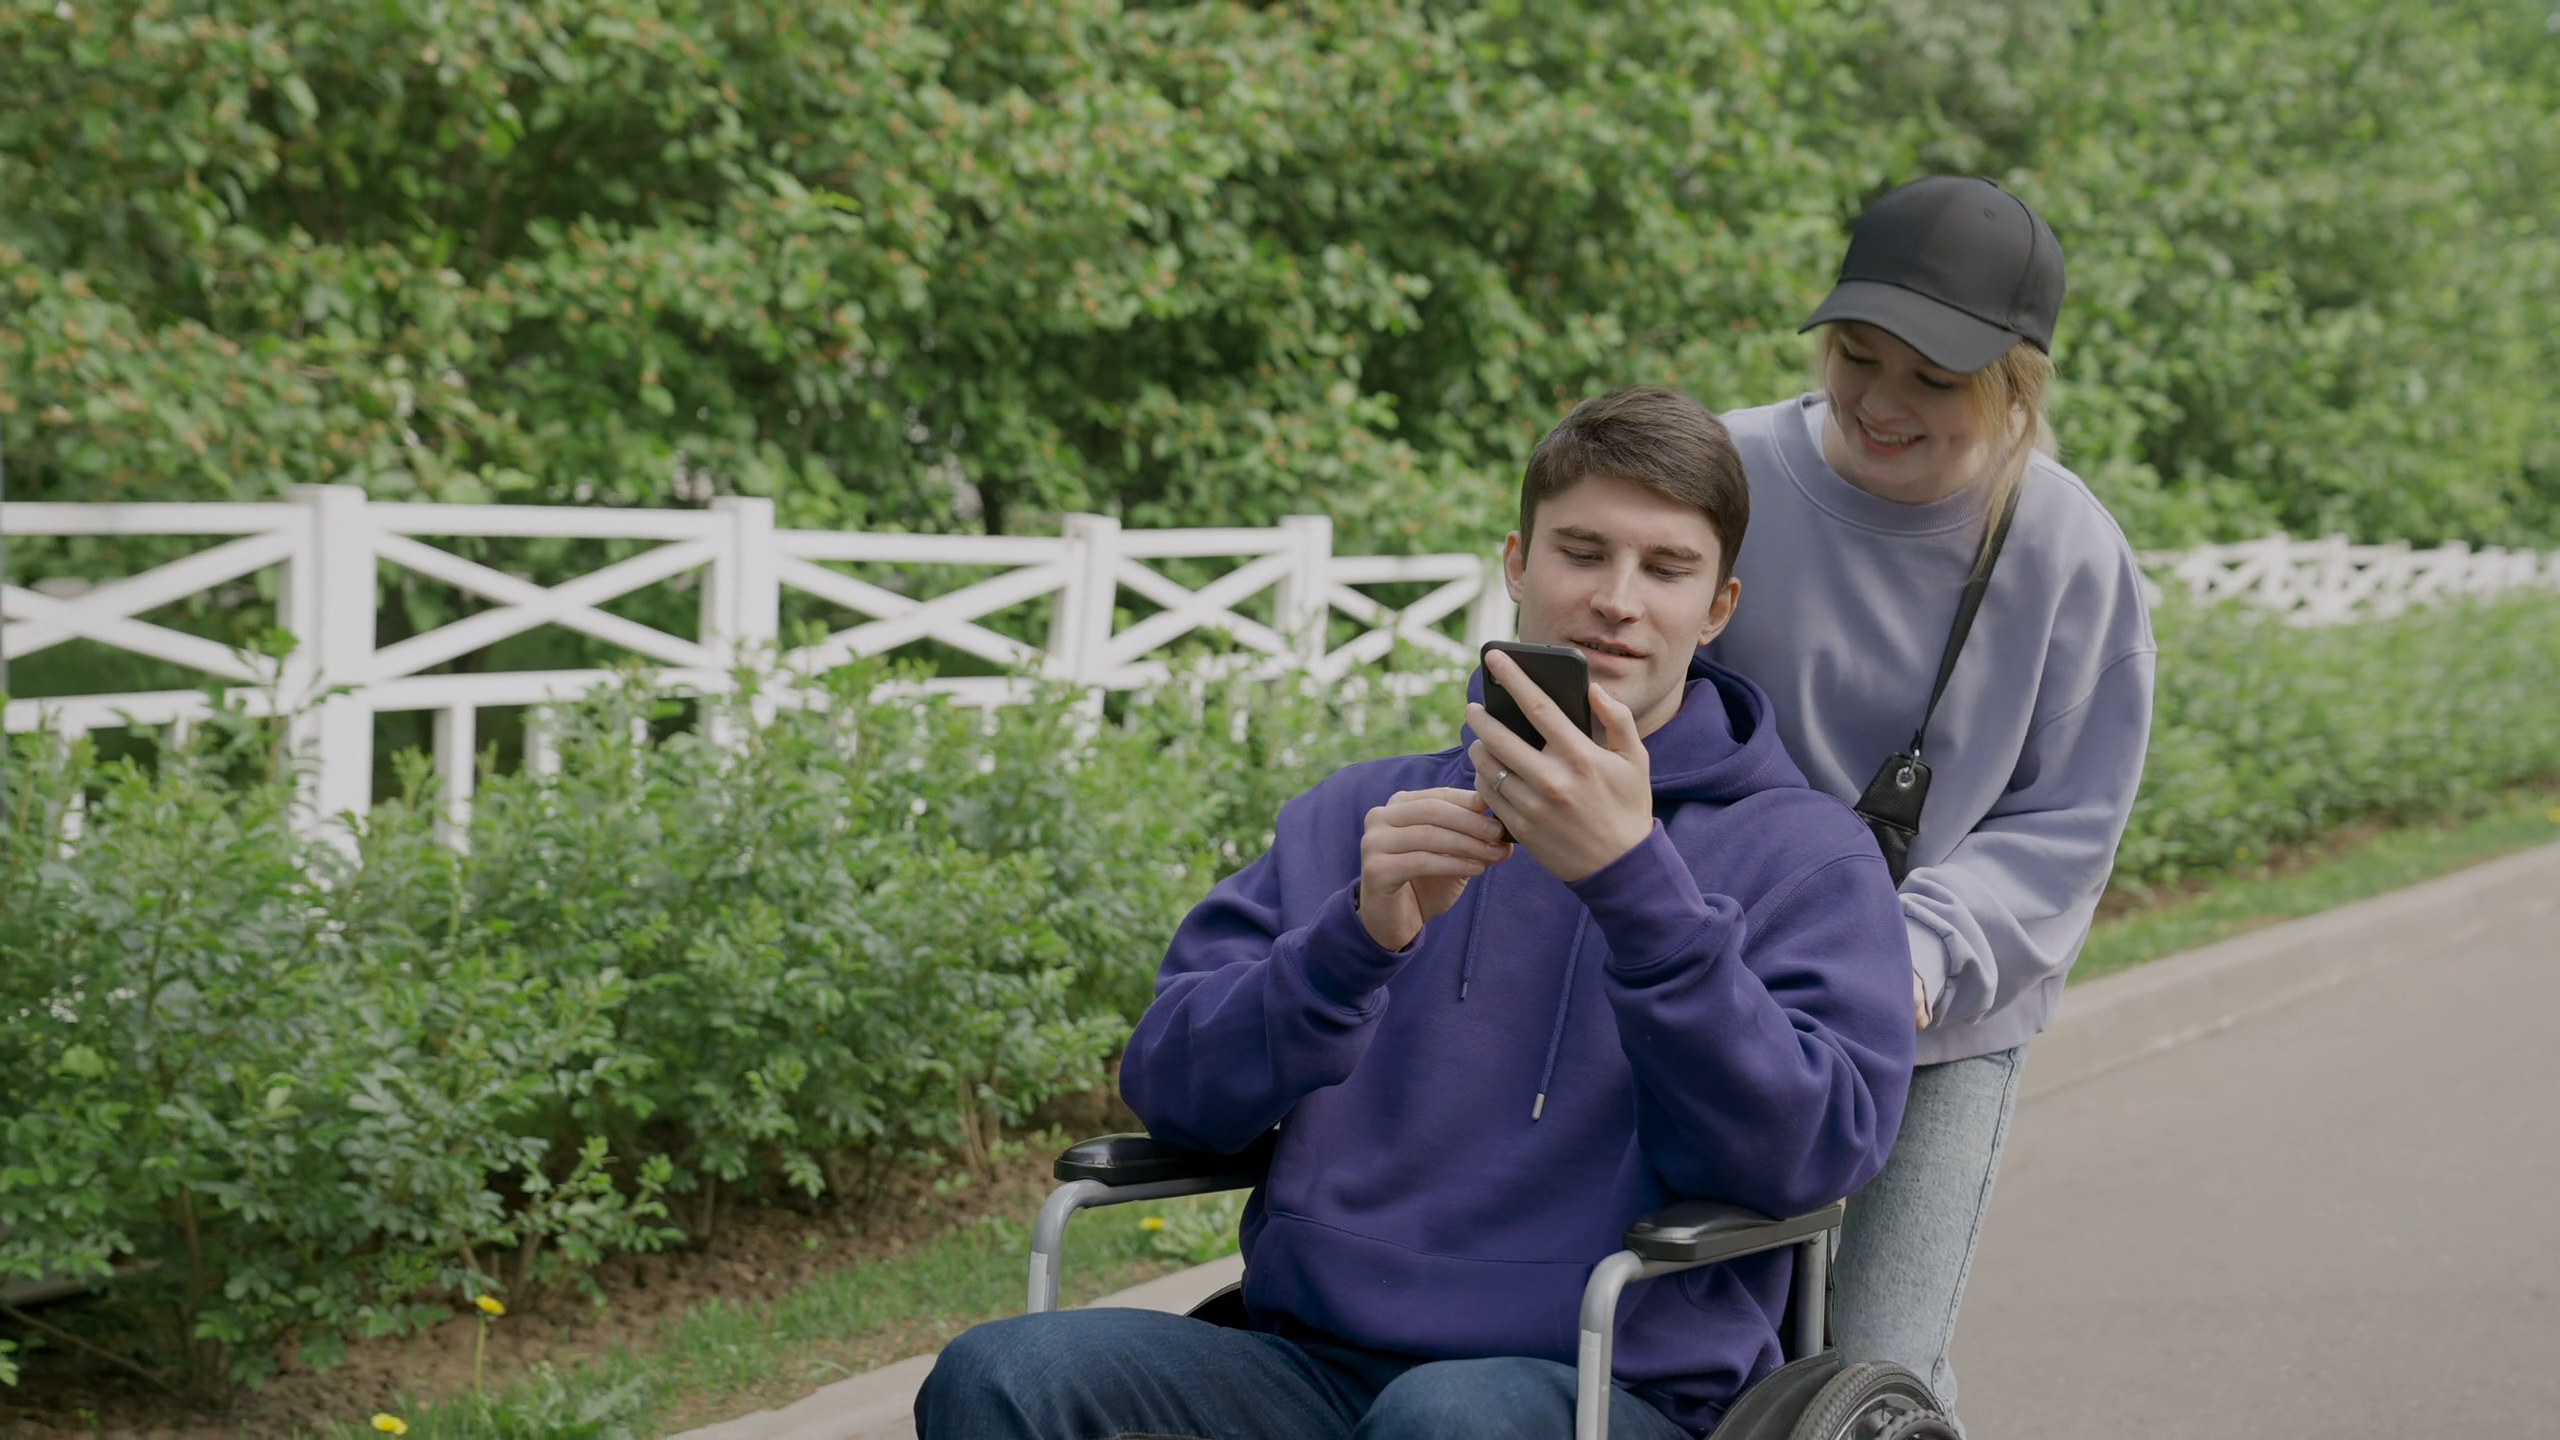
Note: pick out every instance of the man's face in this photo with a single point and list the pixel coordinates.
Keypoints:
(1628, 577)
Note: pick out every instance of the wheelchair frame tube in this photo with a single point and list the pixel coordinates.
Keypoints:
(1049, 1232)
(1813, 1294)
(1049, 1237)
(1610, 1278)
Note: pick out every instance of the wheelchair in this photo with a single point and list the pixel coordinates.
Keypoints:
(1814, 1396)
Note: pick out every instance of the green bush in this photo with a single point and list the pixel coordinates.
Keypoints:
(365, 1087)
(2265, 735)
(286, 1093)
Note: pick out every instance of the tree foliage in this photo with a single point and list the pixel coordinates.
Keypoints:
(969, 264)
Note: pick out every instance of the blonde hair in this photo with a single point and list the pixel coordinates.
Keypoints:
(2008, 398)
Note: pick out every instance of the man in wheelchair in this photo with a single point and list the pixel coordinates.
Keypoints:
(1484, 1065)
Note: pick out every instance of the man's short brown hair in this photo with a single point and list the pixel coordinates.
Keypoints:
(1650, 436)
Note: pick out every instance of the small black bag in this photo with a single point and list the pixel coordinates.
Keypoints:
(1892, 801)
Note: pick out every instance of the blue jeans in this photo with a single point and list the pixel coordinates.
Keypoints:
(1101, 1374)
(1907, 1244)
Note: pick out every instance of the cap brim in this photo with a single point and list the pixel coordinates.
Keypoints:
(1943, 334)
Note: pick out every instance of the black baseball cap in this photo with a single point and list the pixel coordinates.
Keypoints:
(1955, 267)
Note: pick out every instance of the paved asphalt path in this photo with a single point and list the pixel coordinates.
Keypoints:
(2340, 1219)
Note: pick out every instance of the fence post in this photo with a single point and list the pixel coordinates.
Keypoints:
(741, 604)
(457, 772)
(542, 742)
(329, 606)
(1080, 627)
(1302, 604)
(2276, 588)
(742, 594)
(2329, 598)
(1491, 615)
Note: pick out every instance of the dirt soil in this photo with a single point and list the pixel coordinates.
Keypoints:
(752, 1254)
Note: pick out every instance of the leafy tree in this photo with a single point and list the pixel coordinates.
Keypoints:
(968, 264)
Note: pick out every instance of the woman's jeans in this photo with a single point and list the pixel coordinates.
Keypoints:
(1907, 1244)
(1099, 1374)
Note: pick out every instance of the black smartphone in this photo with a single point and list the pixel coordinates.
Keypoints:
(1559, 670)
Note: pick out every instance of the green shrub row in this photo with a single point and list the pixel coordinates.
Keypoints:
(289, 1095)
(2265, 735)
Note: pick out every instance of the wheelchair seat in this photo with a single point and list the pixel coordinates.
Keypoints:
(1814, 1396)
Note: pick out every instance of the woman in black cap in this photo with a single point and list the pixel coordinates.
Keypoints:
(1954, 633)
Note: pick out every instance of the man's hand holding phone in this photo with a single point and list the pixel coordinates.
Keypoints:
(1581, 802)
(1417, 854)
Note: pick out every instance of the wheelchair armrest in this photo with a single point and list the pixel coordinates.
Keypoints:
(1119, 1169)
(1681, 1237)
(1697, 1232)
(1117, 1160)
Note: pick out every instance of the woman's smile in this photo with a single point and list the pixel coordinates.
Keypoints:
(1886, 444)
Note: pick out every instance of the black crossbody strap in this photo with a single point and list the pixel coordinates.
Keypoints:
(1970, 602)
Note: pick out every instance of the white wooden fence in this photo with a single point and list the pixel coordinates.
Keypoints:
(329, 542)
(2330, 582)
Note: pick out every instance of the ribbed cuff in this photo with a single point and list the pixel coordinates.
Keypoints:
(1344, 963)
(1646, 903)
(1928, 961)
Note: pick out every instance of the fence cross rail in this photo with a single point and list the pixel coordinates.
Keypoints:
(330, 547)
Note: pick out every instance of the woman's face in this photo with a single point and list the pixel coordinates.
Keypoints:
(1901, 428)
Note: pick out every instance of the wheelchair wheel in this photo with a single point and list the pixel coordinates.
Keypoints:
(1868, 1401)
(1770, 1409)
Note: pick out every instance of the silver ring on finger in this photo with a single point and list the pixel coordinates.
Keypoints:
(1497, 783)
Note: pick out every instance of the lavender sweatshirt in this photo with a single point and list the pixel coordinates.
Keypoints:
(2038, 746)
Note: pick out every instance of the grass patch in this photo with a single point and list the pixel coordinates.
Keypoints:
(2309, 880)
(723, 1359)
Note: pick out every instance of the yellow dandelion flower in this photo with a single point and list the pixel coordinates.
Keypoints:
(490, 1306)
(390, 1424)
(1152, 1223)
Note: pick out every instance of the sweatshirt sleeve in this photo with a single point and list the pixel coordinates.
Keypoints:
(1772, 1051)
(1249, 1018)
(2008, 907)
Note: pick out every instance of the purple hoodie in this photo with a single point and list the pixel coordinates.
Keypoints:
(1468, 1125)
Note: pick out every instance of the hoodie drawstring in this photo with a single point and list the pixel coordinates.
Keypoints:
(1564, 1007)
(1475, 931)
